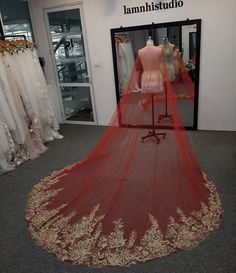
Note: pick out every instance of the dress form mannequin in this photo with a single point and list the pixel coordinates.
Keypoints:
(151, 81)
(150, 57)
(176, 64)
(168, 52)
(169, 71)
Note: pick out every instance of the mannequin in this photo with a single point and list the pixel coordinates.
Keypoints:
(168, 52)
(168, 70)
(149, 41)
(176, 64)
(151, 81)
(150, 57)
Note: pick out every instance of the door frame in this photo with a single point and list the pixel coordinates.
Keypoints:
(51, 52)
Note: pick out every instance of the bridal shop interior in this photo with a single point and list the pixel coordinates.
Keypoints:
(117, 136)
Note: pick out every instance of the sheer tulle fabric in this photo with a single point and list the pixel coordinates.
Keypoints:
(127, 201)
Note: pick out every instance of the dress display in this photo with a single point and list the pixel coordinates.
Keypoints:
(127, 201)
(6, 147)
(168, 52)
(152, 79)
(26, 115)
(34, 89)
(183, 85)
(125, 60)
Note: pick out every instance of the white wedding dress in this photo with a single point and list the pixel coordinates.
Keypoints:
(30, 78)
(6, 148)
(125, 63)
(27, 119)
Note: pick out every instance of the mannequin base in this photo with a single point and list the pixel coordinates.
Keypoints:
(165, 116)
(154, 134)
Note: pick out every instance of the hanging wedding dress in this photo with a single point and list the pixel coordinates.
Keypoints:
(14, 120)
(28, 131)
(26, 114)
(6, 148)
(12, 150)
(127, 201)
(32, 85)
(125, 63)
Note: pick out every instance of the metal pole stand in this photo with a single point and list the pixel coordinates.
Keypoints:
(166, 115)
(153, 133)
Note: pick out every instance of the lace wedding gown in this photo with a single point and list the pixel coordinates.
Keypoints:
(30, 79)
(6, 148)
(26, 113)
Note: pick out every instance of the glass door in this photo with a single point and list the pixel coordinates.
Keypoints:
(69, 52)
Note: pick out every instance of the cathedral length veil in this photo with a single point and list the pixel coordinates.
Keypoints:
(128, 201)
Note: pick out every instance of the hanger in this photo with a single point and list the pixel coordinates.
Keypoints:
(14, 46)
(23, 44)
(6, 48)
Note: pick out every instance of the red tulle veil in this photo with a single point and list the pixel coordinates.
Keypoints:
(132, 199)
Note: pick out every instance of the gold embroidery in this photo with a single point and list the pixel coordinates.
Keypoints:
(84, 243)
(153, 240)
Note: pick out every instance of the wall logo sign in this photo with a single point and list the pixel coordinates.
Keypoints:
(154, 6)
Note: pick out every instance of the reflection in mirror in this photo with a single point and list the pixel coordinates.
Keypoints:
(180, 43)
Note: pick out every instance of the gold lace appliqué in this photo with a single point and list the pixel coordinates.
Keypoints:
(84, 243)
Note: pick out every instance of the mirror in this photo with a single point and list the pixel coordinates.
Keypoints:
(185, 36)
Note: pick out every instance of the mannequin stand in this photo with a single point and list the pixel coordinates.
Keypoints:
(153, 133)
(166, 115)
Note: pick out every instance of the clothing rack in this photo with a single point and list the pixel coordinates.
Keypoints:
(23, 43)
